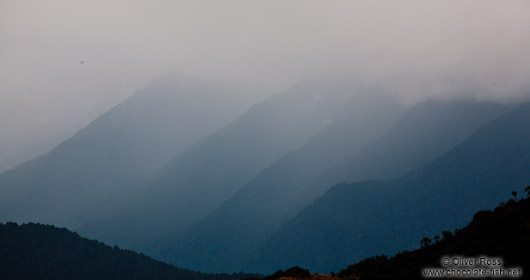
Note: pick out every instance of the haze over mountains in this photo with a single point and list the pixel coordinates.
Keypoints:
(305, 132)
(428, 130)
(225, 240)
(117, 148)
(227, 193)
(254, 192)
(200, 178)
(33, 142)
(353, 221)
(245, 218)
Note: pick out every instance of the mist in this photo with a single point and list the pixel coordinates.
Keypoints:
(224, 136)
(74, 60)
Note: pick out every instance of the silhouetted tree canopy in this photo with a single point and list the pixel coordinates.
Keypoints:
(504, 232)
(36, 251)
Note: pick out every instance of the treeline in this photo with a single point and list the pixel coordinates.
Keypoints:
(503, 232)
(36, 251)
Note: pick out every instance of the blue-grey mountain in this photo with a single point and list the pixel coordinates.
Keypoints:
(199, 179)
(117, 148)
(222, 241)
(353, 221)
(225, 239)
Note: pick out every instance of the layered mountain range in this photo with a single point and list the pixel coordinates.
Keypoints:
(353, 221)
(245, 221)
(118, 148)
(183, 173)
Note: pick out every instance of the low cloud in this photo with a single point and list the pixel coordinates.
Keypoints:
(73, 59)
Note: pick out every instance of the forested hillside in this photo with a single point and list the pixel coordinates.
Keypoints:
(36, 251)
(502, 233)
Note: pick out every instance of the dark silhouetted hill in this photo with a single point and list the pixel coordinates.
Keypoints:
(36, 251)
(502, 233)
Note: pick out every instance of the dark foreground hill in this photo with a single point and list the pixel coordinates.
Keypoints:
(502, 233)
(36, 251)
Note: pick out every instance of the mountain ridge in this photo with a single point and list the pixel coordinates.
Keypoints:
(197, 180)
(243, 223)
(442, 194)
(115, 149)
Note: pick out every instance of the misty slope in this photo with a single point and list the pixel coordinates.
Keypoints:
(126, 142)
(197, 180)
(352, 221)
(34, 142)
(36, 251)
(427, 131)
(223, 241)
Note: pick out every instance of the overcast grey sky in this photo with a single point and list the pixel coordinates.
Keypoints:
(62, 61)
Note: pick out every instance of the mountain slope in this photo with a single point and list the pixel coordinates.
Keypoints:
(36, 141)
(35, 251)
(115, 149)
(201, 177)
(352, 221)
(427, 131)
(221, 241)
(502, 233)
(224, 240)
